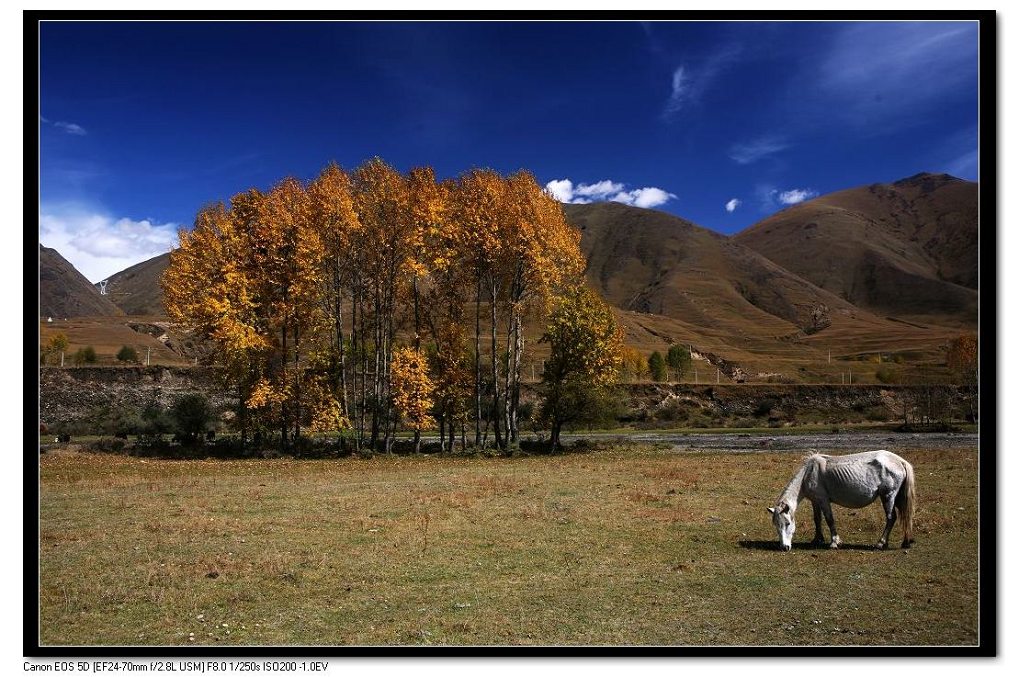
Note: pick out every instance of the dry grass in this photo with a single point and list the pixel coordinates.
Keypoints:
(631, 545)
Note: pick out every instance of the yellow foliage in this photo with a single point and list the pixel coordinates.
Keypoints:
(412, 388)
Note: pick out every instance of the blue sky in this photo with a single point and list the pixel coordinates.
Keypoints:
(720, 123)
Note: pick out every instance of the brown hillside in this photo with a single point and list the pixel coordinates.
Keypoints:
(136, 290)
(648, 261)
(907, 249)
(64, 292)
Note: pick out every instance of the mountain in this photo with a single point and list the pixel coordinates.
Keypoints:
(136, 290)
(906, 249)
(649, 261)
(64, 292)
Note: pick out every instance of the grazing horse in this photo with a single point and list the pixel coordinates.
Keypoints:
(853, 481)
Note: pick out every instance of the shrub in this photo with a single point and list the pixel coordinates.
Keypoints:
(86, 355)
(764, 407)
(675, 410)
(656, 365)
(886, 375)
(192, 416)
(127, 354)
(678, 358)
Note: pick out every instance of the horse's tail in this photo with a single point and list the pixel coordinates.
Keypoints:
(905, 504)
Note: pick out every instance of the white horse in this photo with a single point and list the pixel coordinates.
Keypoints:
(853, 481)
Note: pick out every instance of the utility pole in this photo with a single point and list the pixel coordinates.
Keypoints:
(61, 358)
(718, 375)
(829, 356)
(148, 356)
(850, 377)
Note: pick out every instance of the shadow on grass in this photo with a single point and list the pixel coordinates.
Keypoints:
(773, 545)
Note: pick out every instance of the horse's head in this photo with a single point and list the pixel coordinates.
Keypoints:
(785, 524)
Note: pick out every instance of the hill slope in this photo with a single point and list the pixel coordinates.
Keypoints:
(907, 249)
(649, 261)
(64, 292)
(136, 290)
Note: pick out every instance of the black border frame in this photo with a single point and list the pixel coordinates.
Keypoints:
(989, 480)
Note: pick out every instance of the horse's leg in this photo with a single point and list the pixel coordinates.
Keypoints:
(818, 534)
(830, 519)
(888, 503)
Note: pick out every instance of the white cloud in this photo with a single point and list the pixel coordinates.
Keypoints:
(645, 198)
(600, 190)
(747, 153)
(561, 189)
(732, 204)
(606, 190)
(796, 195)
(99, 245)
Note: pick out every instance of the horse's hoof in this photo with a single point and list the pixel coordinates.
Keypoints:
(906, 545)
(881, 546)
(835, 541)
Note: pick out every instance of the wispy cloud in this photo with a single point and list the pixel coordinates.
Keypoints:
(691, 80)
(957, 154)
(70, 128)
(67, 127)
(874, 72)
(606, 190)
(732, 204)
(99, 245)
(680, 91)
(752, 151)
(796, 195)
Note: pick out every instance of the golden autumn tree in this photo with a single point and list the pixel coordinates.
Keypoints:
(633, 365)
(206, 287)
(413, 391)
(477, 208)
(249, 278)
(381, 200)
(334, 216)
(541, 256)
(586, 347)
(964, 358)
(305, 289)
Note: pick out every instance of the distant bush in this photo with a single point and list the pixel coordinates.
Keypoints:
(765, 406)
(192, 416)
(86, 355)
(656, 365)
(675, 410)
(886, 375)
(127, 354)
(107, 445)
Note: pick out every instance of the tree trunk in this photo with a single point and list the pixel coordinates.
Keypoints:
(477, 363)
(297, 384)
(518, 357)
(496, 415)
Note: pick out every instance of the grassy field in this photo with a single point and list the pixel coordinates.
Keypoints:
(626, 545)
